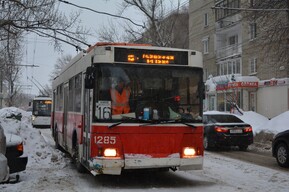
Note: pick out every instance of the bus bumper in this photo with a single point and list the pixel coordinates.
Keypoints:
(115, 166)
(106, 166)
(195, 163)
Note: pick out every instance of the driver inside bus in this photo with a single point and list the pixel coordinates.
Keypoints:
(120, 94)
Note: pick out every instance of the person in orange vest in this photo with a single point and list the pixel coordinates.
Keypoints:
(120, 98)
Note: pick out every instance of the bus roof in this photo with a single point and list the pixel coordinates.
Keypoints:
(104, 52)
(42, 98)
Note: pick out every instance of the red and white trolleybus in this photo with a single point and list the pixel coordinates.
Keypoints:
(161, 127)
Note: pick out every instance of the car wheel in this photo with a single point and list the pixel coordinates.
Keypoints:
(282, 155)
(206, 143)
(243, 147)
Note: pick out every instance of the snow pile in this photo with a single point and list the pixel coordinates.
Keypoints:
(277, 124)
(261, 123)
(255, 120)
(35, 146)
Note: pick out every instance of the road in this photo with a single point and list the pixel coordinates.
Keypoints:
(227, 171)
(264, 159)
(261, 158)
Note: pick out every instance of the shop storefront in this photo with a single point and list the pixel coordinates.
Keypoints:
(225, 93)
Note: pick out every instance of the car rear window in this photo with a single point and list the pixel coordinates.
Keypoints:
(223, 119)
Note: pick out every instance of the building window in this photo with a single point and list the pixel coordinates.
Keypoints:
(205, 45)
(230, 67)
(223, 4)
(233, 40)
(238, 66)
(253, 66)
(253, 33)
(206, 20)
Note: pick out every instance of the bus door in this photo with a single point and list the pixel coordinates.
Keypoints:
(53, 112)
(86, 129)
(65, 107)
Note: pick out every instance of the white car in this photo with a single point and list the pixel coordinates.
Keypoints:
(4, 170)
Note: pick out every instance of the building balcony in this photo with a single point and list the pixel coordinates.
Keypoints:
(228, 51)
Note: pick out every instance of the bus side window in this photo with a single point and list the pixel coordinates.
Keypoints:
(90, 78)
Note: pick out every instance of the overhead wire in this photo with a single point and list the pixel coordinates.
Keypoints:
(104, 13)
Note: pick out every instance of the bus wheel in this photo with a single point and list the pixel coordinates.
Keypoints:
(79, 167)
(57, 146)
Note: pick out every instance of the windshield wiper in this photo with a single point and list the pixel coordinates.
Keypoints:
(123, 120)
(169, 121)
(151, 122)
(114, 125)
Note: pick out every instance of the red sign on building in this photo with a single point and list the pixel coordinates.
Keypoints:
(242, 84)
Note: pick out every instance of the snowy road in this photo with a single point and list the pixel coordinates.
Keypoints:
(220, 173)
(264, 159)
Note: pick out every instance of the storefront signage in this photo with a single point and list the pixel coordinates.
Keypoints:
(271, 83)
(221, 87)
(242, 84)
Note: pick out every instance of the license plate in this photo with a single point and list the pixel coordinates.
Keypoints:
(236, 131)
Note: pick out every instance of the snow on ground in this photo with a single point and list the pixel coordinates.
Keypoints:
(49, 170)
(35, 146)
(244, 176)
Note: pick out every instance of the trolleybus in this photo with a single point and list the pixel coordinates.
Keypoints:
(158, 127)
(41, 111)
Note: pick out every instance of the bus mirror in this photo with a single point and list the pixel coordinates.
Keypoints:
(89, 77)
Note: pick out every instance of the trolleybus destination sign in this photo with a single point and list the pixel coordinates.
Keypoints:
(144, 56)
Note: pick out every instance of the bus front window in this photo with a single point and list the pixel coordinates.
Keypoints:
(42, 108)
(148, 93)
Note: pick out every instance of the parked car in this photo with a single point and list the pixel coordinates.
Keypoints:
(4, 170)
(280, 148)
(225, 129)
(14, 153)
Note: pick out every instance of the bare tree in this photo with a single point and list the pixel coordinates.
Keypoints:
(110, 33)
(22, 100)
(61, 62)
(10, 56)
(272, 20)
(48, 90)
(41, 17)
(161, 25)
(161, 21)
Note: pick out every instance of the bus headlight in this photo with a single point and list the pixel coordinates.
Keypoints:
(189, 152)
(109, 152)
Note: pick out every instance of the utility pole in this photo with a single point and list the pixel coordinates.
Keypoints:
(1, 88)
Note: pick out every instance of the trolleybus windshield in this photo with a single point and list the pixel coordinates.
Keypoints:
(41, 107)
(153, 93)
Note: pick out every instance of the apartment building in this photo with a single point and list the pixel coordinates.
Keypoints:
(241, 65)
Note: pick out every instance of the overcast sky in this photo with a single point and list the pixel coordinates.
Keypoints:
(40, 52)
